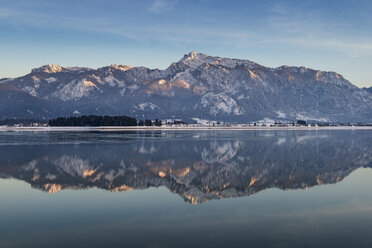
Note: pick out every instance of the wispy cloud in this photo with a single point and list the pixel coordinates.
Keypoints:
(304, 28)
(162, 6)
(174, 34)
(288, 26)
(4, 13)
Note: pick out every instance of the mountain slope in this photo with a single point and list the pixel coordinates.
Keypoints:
(369, 89)
(198, 85)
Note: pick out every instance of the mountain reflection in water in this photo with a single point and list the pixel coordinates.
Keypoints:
(198, 165)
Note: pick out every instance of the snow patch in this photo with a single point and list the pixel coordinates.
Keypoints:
(220, 104)
(97, 78)
(51, 80)
(143, 106)
(75, 90)
(35, 79)
(30, 111)
(30, 90)
(201, 121)
(266, 122)
(133, 87)
(310, 118)
(112, 81)
(281, 114)
(50, 176)
(87, 83)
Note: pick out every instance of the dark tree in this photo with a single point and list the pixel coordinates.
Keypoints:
(157, 123)
(148, 123)
(94, 121)
(301, 122)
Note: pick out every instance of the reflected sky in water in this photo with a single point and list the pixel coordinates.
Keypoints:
(186, 189)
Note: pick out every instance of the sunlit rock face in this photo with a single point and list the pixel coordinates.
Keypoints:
(197, 86)
(198, 168)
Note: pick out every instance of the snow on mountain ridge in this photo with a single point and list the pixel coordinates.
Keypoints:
(75, 90)
(52, 68)
(121, 67)
(194, 60)
(48, 68)
(199, 86)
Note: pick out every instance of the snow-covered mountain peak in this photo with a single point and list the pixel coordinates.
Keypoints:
(121, 67)
(49, 68)
(194, 60)
(197, 86)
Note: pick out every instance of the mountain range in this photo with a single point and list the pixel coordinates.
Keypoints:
(196, 87)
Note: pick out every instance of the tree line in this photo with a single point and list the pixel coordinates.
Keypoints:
(95, 120)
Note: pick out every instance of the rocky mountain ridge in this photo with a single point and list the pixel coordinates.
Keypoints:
(197, 86)
(369, 89)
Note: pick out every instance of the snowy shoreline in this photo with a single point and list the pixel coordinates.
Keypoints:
(166, 128)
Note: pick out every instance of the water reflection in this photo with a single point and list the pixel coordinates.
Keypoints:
(198, 166)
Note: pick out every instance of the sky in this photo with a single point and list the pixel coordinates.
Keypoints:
(329, 35)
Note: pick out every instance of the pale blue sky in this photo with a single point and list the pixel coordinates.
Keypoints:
(326, 35)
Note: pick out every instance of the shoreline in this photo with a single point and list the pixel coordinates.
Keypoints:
(170, 128)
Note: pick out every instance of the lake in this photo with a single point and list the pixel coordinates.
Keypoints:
(270, 188)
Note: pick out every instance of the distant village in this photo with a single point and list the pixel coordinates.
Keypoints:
(117, 121)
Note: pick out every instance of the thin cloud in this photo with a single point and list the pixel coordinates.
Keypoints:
(177, 35)
(4, 13)
(278, 9)
(162, 6)
(300, 29)
(297, 27)
(350, 48)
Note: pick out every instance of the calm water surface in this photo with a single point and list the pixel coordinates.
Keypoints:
(186, 189)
